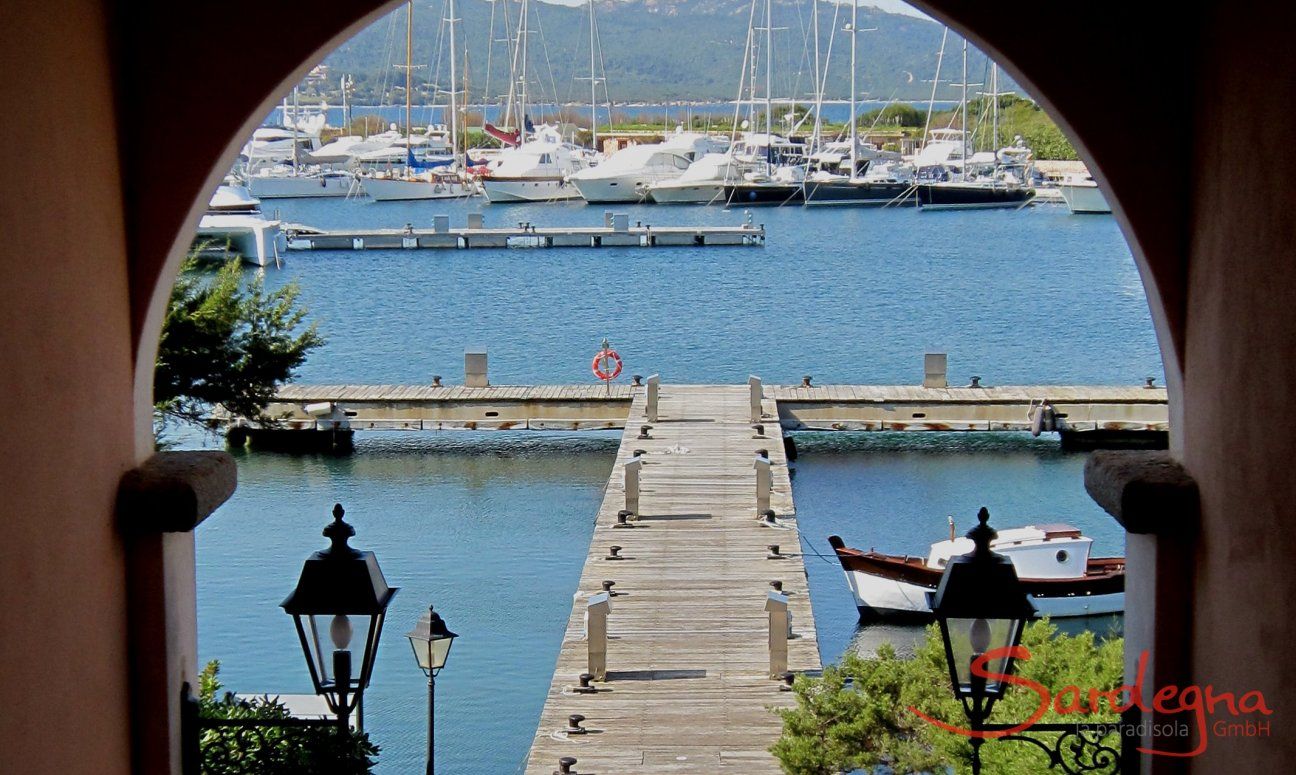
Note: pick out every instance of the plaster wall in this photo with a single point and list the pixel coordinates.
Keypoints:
(1239, 373)
(65, 395)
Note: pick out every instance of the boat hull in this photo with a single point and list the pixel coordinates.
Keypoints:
(254, 239)
(945, 196)
(859, 194)
(271, 187)
(693, 193)
(1084, 199)
(395, 190)
(892, 586)
(763, 193)
(610, 189)
(547, 189)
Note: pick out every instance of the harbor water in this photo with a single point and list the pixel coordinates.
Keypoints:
(493, 527)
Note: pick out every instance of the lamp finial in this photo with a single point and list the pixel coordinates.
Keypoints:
(338, 532)
(982, 534)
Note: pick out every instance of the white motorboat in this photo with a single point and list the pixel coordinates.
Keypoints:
(627, 174)
(702, 183)
(234, 226)
(1052, 563)
(1082, 194)
(536, 170)
(284, 182)
(344, 150)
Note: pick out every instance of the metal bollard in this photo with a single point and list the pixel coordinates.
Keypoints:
(776, 607)
(805, 381)
(636, 380)
(773, 552)
(565, 765)
(759, 431)
(645, 432)
(653, 399)
(607, 587)
(632, 467)
(976, 382)
(623, 517)
(584, 686)
(756, 394)
(764, 482)
(596, 614)
(436, 380)
(614, 553)
(574, 724)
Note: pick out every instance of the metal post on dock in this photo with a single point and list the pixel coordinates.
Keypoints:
(654, 395)
(596, 613)
(780, 629)
(764, 482)
(935, 368)
(632, 467)
(757, 393)
(475, 370)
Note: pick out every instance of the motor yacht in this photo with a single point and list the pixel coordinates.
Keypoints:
(702, 183)
(234, 226)
(537, 170)
(283, 181)
(627, 174)
(1082, 194)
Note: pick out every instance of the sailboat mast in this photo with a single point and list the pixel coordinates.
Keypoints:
(965, 108)
(454, 86)
(593, 87)
(854, 122)
(818, 76)
(523, 34)
(769, 66)
(994, 95)
(296, 117)
(409, 80)
(931, 103)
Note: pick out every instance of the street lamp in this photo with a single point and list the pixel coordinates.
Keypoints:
(431, 641)
(340, 598)
(980, 607)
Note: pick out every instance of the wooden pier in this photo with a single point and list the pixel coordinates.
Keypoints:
(1060, 408)
(616, 232)
(688, 686)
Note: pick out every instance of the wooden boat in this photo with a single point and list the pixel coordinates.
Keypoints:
(1052, 561)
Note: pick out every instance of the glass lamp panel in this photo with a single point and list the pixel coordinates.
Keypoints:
(440, 650)
(971, 637)
(320, 649)
(422, 653)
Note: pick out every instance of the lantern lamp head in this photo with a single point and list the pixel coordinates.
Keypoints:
(431, 640)
(340, 594)
(980, 608)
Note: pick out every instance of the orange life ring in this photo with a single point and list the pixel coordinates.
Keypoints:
(601, 359)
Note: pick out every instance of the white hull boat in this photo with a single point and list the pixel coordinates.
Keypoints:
(1083, 195)
(269, 185)
(1052, 562)
(627, 175)
(233, 226)
(702, 183)
(418, 187)
(528, 189)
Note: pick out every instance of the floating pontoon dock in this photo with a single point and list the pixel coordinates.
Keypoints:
(615, 232)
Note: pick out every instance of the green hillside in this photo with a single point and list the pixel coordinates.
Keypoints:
(654, 50)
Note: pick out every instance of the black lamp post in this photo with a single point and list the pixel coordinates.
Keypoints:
(980, 606)
(431, 641)
(341, 595)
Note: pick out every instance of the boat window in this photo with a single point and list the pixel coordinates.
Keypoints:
(681, 163)
(1062, 555)
(546, 158)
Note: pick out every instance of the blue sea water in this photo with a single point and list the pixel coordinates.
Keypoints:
(493, 528)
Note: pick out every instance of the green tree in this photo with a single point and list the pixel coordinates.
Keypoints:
(313, 750)
(858, 715)
(227, 344)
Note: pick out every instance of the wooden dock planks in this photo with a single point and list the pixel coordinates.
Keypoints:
(688, 657)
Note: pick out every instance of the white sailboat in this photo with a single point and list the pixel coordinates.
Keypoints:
(419, 178)
(537, 169)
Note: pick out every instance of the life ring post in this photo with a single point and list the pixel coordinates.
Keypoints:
(606, 365)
